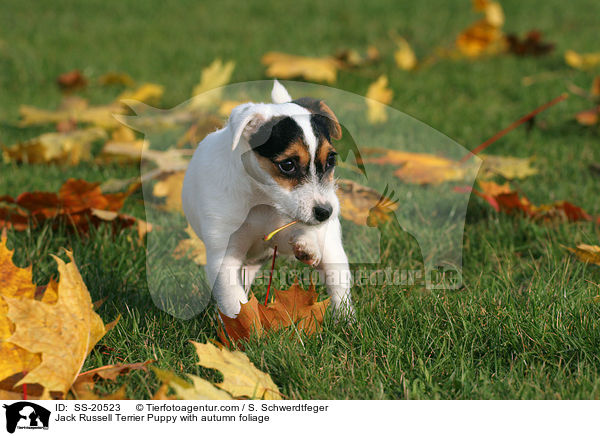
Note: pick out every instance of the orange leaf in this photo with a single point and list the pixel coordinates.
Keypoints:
(294, 306)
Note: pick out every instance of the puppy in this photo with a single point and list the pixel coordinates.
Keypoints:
(272, 163)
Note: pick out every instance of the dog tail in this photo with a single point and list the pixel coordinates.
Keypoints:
(279, 94)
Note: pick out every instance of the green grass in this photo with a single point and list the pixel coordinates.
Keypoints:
(523, 326)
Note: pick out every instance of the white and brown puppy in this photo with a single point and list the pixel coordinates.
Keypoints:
(271, 164)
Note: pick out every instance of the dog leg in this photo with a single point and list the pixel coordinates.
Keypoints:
(334, 264)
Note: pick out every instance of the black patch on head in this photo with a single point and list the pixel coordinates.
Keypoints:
(322, 124)
(274, 136)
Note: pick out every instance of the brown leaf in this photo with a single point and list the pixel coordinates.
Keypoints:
(294, 306)
(588, 117)
(71, 80)
(78, 203)
(531, 45)
(83, 387)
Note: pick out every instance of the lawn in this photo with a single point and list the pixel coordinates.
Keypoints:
(523, 326)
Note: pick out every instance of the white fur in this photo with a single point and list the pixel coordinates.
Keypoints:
(231, 203)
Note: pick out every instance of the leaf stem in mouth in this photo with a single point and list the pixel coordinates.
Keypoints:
(274, 232)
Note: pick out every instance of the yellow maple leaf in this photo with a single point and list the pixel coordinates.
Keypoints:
(16, 283)
(62, 333)
(69, 147)
(378, 95)
(286, 66)
(214, 76)
(404, 55)
(240, 377)
(584, 61)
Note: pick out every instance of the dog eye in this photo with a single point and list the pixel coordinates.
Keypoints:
(331, 160)
(287, 166)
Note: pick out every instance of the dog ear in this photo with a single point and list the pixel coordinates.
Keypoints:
(244, 120)
(318, 107)
(279, 94)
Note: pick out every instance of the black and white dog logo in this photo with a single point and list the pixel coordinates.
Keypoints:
(26, 415)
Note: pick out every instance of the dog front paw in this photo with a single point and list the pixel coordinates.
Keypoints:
(306, 252)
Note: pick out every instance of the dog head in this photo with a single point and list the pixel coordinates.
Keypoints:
(287, 147)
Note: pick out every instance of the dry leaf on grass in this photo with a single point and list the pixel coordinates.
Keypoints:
(115, 78)
(587, 253)
(378, 95)
(350, 58)
(68, 148)
(485, 36)
(292, 307)
(582, 61)
(241, 379)
(286, 66)
(149, 93)
(503, 199)
(404, 55)
(360, 204)
(531, 45)
(216, 75)
(78, 204)
(101, 116)
(588, 117)
(425, 169)
(83, 387)
(192, 248)
(57, 336)
(71, 81)
(169, 187)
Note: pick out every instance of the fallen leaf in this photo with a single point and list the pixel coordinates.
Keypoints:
(485, 36)
(198, 389)
(506, 166)
(169, 188)
(192, 248)
(504, 199)
(378, 95)
(114, 78)
(83, 387)
(214, 76)
(582, 61)
(358, 203)
(15, 282)
(241, 379)
(78, 203)
(404, 55)
(531, 45)
(149, 93)
(350, 58)
(70, 328)
(71, 80)
(101, 116)
(286, 66)
(588, 117)
(292, 307)
(69, 148)
(587, 253)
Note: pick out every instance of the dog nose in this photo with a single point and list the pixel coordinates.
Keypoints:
(322, 212)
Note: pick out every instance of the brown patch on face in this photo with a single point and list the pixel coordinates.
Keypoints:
(296, 151)
(323, 151)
